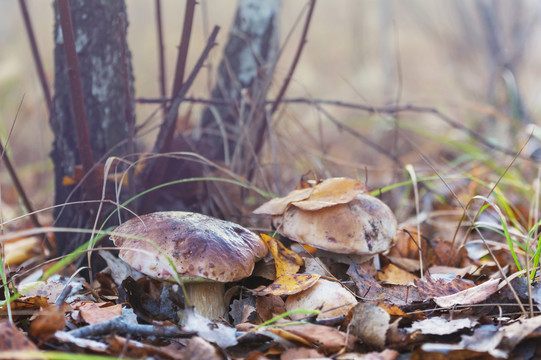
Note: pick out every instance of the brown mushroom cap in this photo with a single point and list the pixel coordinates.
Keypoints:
(198, 245)
(363, 226)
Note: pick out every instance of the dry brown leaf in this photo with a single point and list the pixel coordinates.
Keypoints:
(301, 353)
(330, 297)
(370, 324)
(278, 206)
(25, 304)
(430, 288)
(287, 335)
(395, 275)
(331, 192)
(368, 288)
(407, 244)
(326, 339)
(49, 320)
(469, 296)
(386, 354)
(95, 313)
(12, 339)
(269, 306)
(288, 285)
(285, 260)
(438, 351)
(20, 250)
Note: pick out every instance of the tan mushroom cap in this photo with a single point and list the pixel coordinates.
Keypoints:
(363, 226)
(198, 245)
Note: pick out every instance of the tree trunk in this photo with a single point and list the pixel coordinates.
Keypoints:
(244, 76)
(99, 27)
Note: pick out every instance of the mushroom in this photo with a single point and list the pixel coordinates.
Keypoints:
(349, 226)
(331, 298)
(205, 253)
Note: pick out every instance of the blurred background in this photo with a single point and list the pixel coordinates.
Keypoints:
(476, 62)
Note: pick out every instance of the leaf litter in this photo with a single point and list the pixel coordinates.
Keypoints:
(460, 307)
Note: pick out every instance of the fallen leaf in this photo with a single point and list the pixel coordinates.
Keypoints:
(430, 287)
(386, 354)
(514, 333)
(12, 339)
(288, 285)
(243, 310)
(285, 260)
(469, 296)
(485, 339)
(51, 288)
(330, 297)
(368, 288)
(25, 304)
(49, 320)
(407, 244)
(441, 326)
(95, 313)
(325, 338)
(220, 334)
(278, 206)
(370, 324)
(289, 336)
(269, 306)
(301, 353)
(395, 275)
(20, 250)
(330, 192)
(437, 351)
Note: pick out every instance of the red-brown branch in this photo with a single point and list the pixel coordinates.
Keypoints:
(183, 47)
(155, 175)
(77, 99)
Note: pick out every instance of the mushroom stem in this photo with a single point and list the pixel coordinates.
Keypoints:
(207, 297)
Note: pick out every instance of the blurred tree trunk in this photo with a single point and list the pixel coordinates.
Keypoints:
(107, 80)
(243, 79)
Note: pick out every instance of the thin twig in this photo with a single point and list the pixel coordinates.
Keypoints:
(183, 47)
(361, 137)
(36, 56)
(168, 125)
(161, 54)
(155, 175)
(258, 144)
(15, 179)
(391, 109)
(77, 99)
(296, 59)
(128, 110)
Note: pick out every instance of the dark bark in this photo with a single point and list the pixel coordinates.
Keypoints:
(244, 76)
(107, 81)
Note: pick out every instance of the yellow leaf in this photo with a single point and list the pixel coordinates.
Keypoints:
(288, 284)
(284, 334)
(285, 260)
(394, 274)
